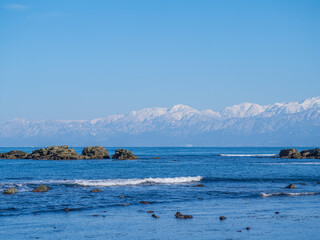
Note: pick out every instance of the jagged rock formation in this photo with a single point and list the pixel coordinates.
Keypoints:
(96, 152)
(293, 153)
(123, 154)
(54, 153)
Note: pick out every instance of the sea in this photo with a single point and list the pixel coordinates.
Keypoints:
(245, 185)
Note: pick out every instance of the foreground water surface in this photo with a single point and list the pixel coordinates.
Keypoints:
(246, 185)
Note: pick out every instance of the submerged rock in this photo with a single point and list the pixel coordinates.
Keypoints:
(221, 218)
(291, 186)
(10, 191)
(96, 152)
(144, 202)
(123, 154)
(289, 153)
(41, 188)
(54, 153)
(180, 215)
(15, 154)
(96, 190)
(155, 216)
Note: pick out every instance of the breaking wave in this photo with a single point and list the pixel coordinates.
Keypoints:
(112, 182)
(288, 194)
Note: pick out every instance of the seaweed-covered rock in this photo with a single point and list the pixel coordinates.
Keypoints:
(123, 154)
(54, 153)
(10, 191)
(311, 153)
(96, 190)
(41, 188)
(289, 153)
(96, 152)
(15, 154)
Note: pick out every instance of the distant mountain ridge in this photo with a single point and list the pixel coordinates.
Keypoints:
(246, 124)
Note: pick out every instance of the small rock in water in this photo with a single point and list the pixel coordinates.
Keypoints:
(122, 196)
(96, 190)
(10, 191)
(291, 186)
(222, 218)
(67, 209)
(150, 211)
(247, 228)
(199, 185)
(154, 216)
(95, 215)
(239, 231)
(180, 215)
(103, 215)
(318, 182)
(144, 202)
(41, 188)
(123, 154)
(156, 158)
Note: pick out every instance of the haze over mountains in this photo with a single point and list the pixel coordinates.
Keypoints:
(246, 124)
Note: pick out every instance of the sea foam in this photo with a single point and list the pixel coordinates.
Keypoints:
(248, 155)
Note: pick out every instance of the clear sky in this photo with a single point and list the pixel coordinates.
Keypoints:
(83, 59)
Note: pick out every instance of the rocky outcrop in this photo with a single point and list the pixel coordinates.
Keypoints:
(293, 153)
(311, 153)
(96, 152)
(123, 154)
(10, 191)
(54, 153)
(289, 153)
(41, 188)
(15, 154)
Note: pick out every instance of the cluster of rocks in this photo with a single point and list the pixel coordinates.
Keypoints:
(66, 153)
(41, 188)
(294, 153)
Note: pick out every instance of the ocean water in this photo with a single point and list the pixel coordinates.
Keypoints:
(246, 185)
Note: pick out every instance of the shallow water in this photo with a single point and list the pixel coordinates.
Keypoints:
(247, 185)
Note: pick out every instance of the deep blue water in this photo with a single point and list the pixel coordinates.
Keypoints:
(247, 185)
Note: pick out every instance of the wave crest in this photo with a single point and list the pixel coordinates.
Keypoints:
(288, 194)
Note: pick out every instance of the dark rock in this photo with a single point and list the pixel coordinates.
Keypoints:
(67, 209)
(144, 202)
(15, 154)
(180, 215)
(289, 153)
(156, 158)
(123, 154)
(311, 153)
(247, 228)
(123, 196)
(96, 152)
(277, 212)
(154, 216)
(103, 215)
(96, 190)
(95, 215)
(54, 153)
(222, 218)
(10, 191)
(150, 211)
(41, 188)
(199, 185)
(291, 186)
(239, 231)
(318, 182)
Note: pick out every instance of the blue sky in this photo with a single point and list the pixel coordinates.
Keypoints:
(81, 59)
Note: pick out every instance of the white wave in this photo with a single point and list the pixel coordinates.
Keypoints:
(287, 194)
(120, 182)
(136, 181)
(249, 155)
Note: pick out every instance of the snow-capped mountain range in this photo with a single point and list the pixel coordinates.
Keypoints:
(246, 124)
